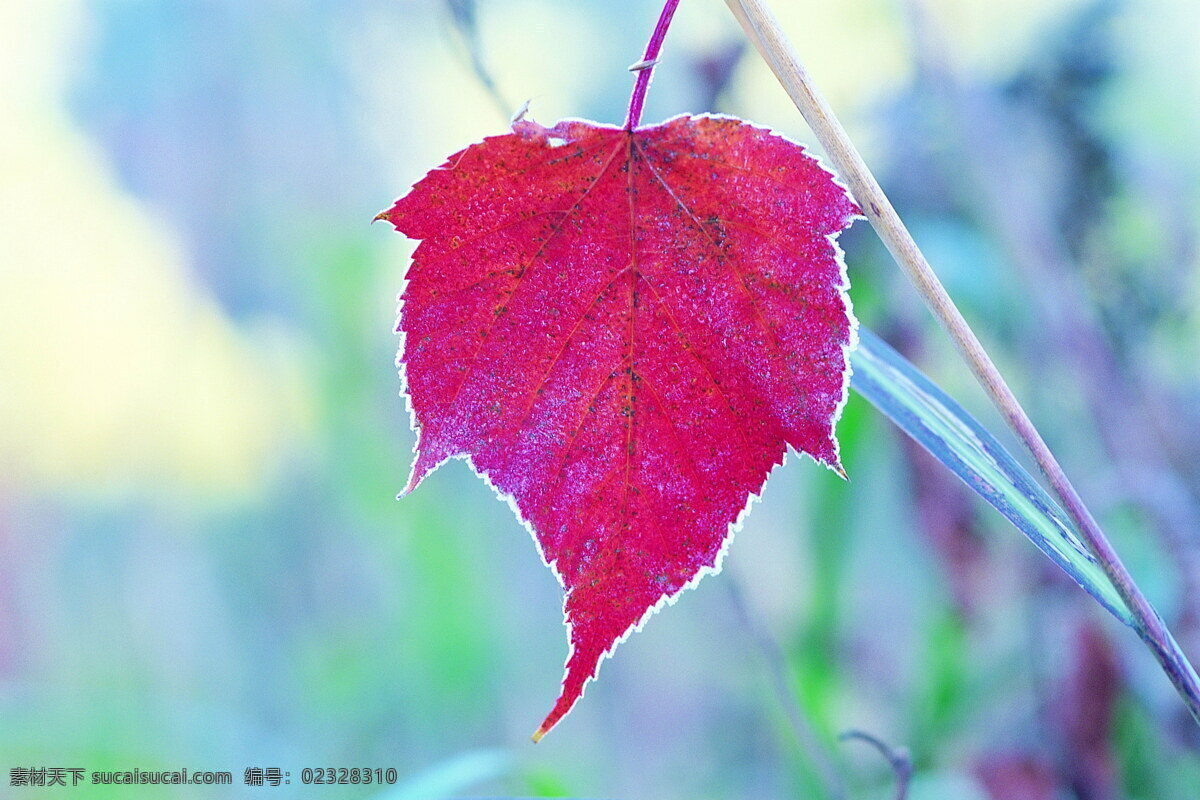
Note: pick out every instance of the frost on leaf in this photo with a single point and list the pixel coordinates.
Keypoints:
(623, 331)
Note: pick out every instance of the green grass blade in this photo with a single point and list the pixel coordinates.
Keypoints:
(940, 425)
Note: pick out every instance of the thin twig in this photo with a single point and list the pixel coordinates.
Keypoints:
(806, 735)
(764, 31)
(897, 757)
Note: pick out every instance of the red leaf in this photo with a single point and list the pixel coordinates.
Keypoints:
(622, 332)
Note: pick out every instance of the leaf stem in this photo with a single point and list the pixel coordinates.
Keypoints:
(764, 31)
(645, 67)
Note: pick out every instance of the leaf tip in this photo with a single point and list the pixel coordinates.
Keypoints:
(408, 488)
(422, 467)
(539, 733)
(840, 471)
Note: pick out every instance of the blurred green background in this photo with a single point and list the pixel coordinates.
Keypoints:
(202, 561)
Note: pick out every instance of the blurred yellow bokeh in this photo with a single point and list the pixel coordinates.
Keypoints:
(119, 373)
